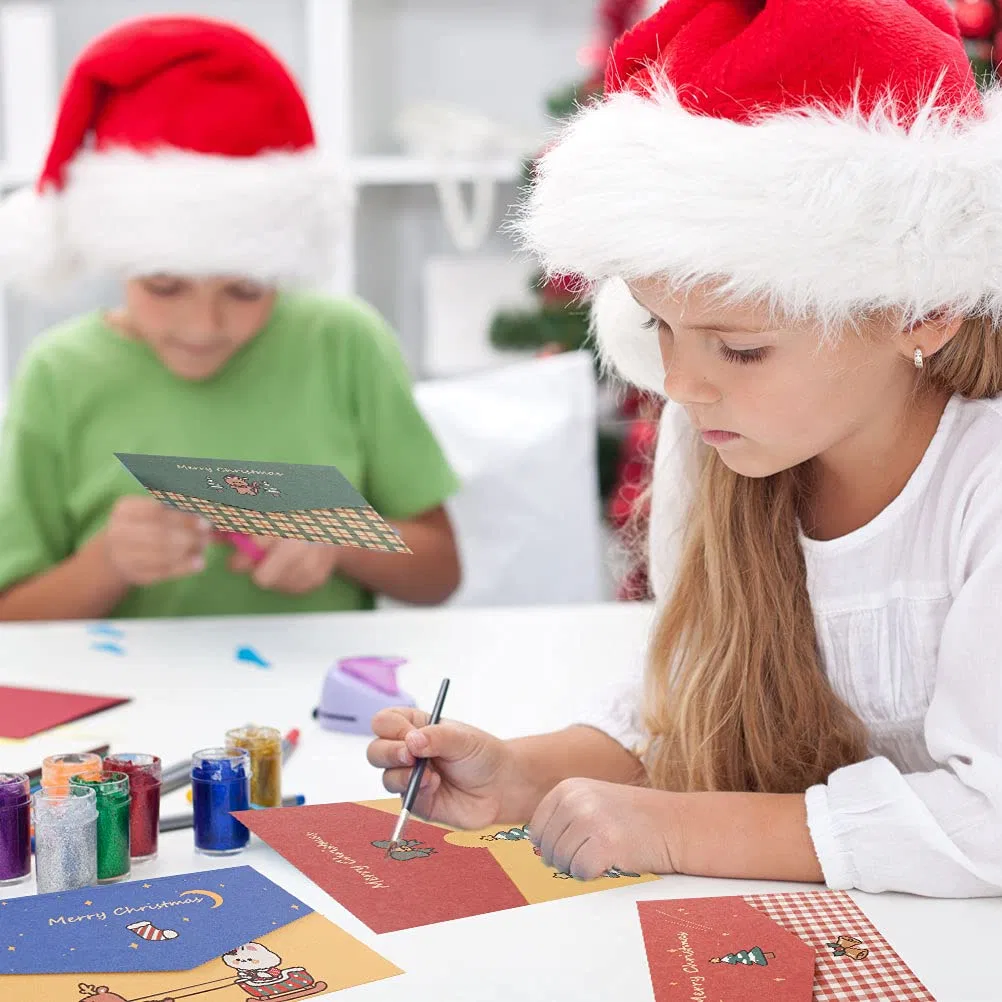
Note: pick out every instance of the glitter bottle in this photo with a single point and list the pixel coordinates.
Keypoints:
(15, 827)
(220, 783)
(265, 747)
(65, 839)
(144, 773)
(57, 769)
(112, 791)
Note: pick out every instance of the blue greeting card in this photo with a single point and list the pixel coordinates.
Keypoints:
(231, 932)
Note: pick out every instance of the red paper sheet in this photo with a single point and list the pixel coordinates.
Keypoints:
(789, 947)
(439, 875)
(25, 712)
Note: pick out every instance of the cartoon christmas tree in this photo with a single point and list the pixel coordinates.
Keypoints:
(747, 957)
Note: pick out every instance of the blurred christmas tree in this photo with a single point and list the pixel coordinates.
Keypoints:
(981, 26)
(560, 321)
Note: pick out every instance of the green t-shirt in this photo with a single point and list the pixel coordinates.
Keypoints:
(323, 382)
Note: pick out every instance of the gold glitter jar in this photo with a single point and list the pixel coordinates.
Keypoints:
(264, 744)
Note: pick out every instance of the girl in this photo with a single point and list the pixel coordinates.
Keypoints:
(793, 212)
(184, 161)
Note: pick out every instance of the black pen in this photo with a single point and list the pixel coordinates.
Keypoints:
(415, 782)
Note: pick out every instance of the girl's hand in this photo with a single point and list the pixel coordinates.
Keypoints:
(585, 827)
(292, 566)
(466, 778)
(147, 542)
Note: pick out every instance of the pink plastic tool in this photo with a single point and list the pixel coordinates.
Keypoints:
(244, 544)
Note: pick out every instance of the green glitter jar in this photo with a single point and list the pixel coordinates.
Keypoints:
(112, 792)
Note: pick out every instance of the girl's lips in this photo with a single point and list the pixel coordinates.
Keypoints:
(713, 437)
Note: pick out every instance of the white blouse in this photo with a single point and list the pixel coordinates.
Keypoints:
(908, 611)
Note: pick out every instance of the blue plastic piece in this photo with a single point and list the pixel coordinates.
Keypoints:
(109, 648)
(105, 630)
(250, 655)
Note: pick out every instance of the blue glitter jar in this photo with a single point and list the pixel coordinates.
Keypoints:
(220, 783)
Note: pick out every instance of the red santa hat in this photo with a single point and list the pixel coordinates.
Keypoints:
(824, 156)
(182, 145)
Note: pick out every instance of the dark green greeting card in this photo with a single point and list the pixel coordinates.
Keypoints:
(292, 500)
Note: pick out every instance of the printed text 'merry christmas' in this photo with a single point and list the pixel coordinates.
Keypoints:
(690, 968)
(229, 469)
(339, 857)
(124, 910)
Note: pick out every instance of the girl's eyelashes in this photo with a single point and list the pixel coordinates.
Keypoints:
(743, 357)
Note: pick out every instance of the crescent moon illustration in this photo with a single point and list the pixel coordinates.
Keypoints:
(216, 898)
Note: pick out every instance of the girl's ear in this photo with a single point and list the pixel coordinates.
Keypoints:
(931, 333)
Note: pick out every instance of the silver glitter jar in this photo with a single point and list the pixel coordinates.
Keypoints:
(65, 838)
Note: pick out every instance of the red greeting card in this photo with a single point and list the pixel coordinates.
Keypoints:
(25, 712)
(814, 945)
(436, 875)
(723, 949)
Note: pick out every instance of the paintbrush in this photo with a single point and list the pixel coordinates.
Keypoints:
(415, 781)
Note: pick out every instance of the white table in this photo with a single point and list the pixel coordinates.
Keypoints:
(514, 671)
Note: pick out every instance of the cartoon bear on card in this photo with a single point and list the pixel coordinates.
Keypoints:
(259, 970)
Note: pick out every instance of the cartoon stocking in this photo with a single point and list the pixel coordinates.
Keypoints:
(146, 930)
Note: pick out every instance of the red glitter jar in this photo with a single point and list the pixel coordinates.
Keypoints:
(144, 772)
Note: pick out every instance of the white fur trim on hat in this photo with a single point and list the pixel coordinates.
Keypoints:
(624, 344)
(273, 218)
(819, 215)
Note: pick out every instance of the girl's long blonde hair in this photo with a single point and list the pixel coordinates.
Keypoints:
(736, 695)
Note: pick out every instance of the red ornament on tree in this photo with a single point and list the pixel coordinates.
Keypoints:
(614, 17)
(976, 18)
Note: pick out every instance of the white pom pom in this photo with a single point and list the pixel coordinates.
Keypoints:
(624, 344)
(32, 255)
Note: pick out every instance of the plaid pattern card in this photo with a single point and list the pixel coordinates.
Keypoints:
(854, 963)
(291, 500)
(815, 945)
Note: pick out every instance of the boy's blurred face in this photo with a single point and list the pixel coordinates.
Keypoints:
(195, 325)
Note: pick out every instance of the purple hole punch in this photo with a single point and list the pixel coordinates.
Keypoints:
(357, 688)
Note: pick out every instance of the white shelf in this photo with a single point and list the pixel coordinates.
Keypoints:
(374, 170)
(15, 177)
(402, 170)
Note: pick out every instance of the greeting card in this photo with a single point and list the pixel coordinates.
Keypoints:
(435, 875)
(227, 934)
(292, 500)
(784, 947)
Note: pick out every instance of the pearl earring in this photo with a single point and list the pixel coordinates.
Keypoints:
(919, 361)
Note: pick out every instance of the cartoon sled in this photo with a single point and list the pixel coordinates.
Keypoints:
(292, 983)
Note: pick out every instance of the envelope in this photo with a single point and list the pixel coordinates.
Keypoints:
(251, 498)
(436, 874)
(229, 932)
(783, 947)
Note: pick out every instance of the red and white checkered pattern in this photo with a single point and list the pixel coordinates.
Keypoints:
(820, 917)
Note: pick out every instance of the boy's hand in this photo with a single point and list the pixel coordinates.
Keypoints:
(147, 542)
(292, 566)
